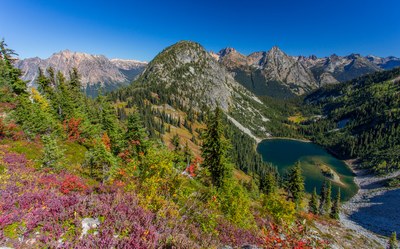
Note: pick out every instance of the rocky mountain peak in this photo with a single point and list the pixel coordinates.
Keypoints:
(226, 51)
(275, 50)
(95, 70)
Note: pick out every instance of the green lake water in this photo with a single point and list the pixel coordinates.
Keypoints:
(284, 153)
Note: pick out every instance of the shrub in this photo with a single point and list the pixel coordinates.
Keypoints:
(52, 153)
(283, 211)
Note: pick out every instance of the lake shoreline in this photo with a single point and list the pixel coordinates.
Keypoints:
(369, 186)
(288, 138)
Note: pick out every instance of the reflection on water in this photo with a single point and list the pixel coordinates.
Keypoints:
(284, 153)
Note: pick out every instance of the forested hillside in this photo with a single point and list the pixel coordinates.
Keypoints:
(359, 119)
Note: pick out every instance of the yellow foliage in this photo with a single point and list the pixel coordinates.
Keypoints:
(43, 103)
(282, 210)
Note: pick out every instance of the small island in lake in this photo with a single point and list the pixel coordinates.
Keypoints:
(329, 173)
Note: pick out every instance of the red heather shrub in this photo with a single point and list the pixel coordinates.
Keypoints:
(72, 183)
(192, 169)
(71, 127)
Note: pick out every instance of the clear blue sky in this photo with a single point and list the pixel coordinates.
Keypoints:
(141, 29)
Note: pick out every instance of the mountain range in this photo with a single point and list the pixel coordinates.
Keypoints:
(95, 70)
(266, 73)
(276, 74)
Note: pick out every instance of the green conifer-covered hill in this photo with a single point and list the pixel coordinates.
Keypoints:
(360, 119)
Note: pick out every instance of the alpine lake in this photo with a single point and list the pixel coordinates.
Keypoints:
(317, 164)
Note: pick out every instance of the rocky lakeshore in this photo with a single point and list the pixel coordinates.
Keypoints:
(373, 210)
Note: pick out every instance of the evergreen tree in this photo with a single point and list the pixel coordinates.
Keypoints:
(187, 153)
(74, 81)
(313, 204)
(295, 183)
(322, 198)
(325, 198)
(136, 135)
(392, 244)
(52, 154)
(215, 148)
(175, 140)
(336, 207)
(328, 201)
(267, 183)
(44, 84)
(100, 161)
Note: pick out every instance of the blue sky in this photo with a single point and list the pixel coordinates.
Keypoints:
(141, 29)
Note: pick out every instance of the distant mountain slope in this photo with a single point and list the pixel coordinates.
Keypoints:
(95, 70)
(361, 119)
(271, 73)
(277, 74)
(336, 68)
(186, 77)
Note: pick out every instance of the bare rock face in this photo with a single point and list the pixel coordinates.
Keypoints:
(267, 72)
(278, 66)
(94, 69)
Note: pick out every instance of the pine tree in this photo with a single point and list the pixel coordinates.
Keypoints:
(313, 204)
(325, 198)
(336, 207)
(136, 135)
(392, 244)
(328, 200)
(267, 182)
(100, 161)
(214, 150)
(74, 81)
(44, 84)
(187, 153)
(295, 183)
(322, 198)
(52, 154)
(175, 140)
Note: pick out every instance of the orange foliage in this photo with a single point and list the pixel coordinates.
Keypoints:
(192, 168)
(71, 127)
(106, 141)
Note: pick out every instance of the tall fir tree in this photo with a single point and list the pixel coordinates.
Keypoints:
(325, 198)
(214, 149)
(52, 154)
(136, 135)
(268, 182)
(322, 197)
(313, 204)
(336, 207)
(295, 183)
(328, 201)
(175, 140)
